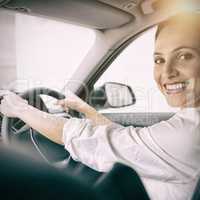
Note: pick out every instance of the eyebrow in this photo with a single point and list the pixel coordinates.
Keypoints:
(181, 47)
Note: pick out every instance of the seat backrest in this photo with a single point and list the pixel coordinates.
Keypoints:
(32, 179)
(196, 195)
(121, 183)
(25, 178)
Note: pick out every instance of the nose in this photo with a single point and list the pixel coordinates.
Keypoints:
(169, 70)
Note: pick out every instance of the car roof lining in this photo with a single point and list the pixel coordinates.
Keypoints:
(92, 13)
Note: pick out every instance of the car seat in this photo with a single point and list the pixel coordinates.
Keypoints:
(25, 178)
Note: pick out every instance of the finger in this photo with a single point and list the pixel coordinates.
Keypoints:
(60, 102)
(2, 109)
(5, 92)
(7, 98)
(66, 109)
(3, 100)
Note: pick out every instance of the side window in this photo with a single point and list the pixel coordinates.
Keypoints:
(38, 51)
(134, 67)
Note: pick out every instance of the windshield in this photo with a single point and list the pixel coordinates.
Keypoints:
(39, 52)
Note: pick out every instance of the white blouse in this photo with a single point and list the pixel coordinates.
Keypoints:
(166, 155)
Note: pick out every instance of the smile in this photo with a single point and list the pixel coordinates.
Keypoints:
(175, 88)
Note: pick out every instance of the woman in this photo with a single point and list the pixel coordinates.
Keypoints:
(165, 155)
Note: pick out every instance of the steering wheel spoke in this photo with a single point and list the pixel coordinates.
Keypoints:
(21, 130)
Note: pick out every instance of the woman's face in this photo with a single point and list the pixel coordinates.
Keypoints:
(177, 64)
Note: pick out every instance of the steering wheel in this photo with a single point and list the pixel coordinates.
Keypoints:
(16, 132)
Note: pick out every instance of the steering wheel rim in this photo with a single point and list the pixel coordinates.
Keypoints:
(33, 98)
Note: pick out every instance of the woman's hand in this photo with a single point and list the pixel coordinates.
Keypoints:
(73, 102)
(12, 104)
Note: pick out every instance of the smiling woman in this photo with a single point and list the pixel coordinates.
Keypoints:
(177, 60)
(165, 154)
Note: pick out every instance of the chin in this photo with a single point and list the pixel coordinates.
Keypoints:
(176, 103)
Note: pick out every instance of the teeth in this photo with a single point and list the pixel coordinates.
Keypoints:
(175, 86)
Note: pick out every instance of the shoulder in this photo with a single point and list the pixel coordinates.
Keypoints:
(180, 135)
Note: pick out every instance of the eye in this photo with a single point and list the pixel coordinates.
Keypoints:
(185, 56)
(159, 60)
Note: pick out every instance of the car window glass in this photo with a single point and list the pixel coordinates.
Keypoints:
(38, 51)
(134, 67)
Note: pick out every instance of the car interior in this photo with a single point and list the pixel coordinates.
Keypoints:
(116, 25)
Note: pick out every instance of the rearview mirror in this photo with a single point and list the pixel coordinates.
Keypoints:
(112, 95)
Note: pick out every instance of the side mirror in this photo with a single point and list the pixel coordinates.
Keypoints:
(112, 95)
(119, 95)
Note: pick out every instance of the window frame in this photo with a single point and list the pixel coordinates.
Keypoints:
(108, 62)
(111, 58)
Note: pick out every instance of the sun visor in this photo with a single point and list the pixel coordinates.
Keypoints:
(88, 12)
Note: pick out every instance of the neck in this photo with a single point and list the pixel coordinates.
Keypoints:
(191, 105)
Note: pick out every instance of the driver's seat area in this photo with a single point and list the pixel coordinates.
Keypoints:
(26, 178)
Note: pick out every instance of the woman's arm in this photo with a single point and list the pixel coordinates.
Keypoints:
(92, 114)
(48, 125)
(74, 102)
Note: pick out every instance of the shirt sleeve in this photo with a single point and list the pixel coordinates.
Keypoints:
(154, 152)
